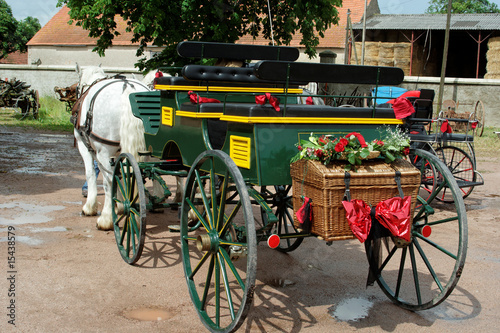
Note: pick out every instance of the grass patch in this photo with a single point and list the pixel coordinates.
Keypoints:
(488, 145)
(52, 115)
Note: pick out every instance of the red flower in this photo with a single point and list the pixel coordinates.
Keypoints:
(379, 142)
(300, 148)
(344, 142)
(339, 147)
(406, 151)
(318, 153)
(322, 140)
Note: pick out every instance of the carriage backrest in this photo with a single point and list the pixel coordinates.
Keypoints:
(244, 75)
(328, 73)
(189, 49)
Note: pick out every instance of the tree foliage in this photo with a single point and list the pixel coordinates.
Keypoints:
(166, 23)
(13, 34)
(462, 7)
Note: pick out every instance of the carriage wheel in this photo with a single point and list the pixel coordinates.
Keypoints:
(480, 117)
(462, 168)
(429, 176)
(282, 206)
(422, 273)
(129, 208)
(220, 257)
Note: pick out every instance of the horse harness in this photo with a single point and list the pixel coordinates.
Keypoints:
(85, 131)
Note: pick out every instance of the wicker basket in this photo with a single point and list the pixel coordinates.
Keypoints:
(373, 182)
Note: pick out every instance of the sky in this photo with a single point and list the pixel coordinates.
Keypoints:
(45, 9)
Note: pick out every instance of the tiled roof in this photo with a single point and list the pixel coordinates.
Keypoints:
(15, 58)
(58, 32)
(432, 21)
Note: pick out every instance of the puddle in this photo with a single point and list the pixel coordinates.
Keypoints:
(54, 229)
(351, 309)
(148, 314)
(22, 213)
(34, 171)
(24, 239)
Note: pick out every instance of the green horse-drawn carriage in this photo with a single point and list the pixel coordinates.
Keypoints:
(235, 155)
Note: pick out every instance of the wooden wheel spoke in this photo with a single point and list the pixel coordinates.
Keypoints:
(222, 203)
(208, 281)
(440, 248)
(124, 231)
(229, 218)
(228, 261)
(206, 203)
(428, 264)
(400, 272)
(120, 186)
(225, 279)
(199, 265)
(415, 274)
(199, 215)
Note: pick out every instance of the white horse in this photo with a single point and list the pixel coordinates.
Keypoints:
(107, 127)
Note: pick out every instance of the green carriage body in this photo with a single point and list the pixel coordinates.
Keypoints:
(259, 139)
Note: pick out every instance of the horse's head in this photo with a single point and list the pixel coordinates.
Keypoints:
(88, 75)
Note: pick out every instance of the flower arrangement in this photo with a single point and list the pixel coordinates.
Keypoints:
(353, 148)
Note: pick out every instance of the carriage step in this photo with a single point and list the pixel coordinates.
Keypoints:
(144, 153)
(464, 183)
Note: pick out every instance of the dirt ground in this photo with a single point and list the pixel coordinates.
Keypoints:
(69, 277)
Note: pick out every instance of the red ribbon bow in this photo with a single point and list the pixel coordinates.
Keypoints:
(358, 216)
(393, 214)
(446, 127)
(195, 99)
(261, 99)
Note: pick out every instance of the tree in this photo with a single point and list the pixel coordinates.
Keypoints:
(26, 29)
(13, 34)
(462, 7)
(8, 27)
(166, 23)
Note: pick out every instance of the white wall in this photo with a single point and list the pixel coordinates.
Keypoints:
(115, 56)
(45, 78)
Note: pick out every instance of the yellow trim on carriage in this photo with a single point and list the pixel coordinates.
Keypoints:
(229, 89)
(191, 114)
(311, 120)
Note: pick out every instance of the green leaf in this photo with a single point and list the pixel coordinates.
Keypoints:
(364, 153)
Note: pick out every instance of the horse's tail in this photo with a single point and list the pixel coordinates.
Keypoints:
(131, 129)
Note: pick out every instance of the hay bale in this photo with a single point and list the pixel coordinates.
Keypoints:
(492, 76)
(494, 44)
(371, 62)
(386, 50)
(372, 49)
(493, 66)
(402, 50)
(386, 62)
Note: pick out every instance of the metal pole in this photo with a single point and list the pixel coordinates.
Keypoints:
(363, 37)
(478, 54)
(445, 56)
(346, 50)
